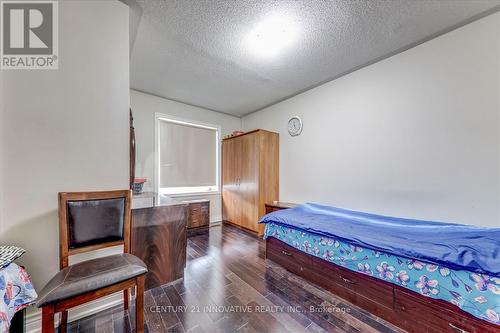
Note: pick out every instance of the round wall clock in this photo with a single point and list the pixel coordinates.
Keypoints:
(294, 126)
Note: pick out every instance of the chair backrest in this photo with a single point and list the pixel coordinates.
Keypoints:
(90, 221)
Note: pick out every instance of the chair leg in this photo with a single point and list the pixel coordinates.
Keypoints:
(64, 322)
(125, 299)
(48, 319)
(139, 305)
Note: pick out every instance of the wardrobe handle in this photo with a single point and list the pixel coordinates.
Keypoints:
(286, 253)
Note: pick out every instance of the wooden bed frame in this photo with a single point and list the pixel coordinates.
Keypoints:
(402, 307)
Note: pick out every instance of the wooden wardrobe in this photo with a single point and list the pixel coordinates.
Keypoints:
(250, 177)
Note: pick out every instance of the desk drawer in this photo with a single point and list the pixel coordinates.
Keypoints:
(196, 219)
(199, 214)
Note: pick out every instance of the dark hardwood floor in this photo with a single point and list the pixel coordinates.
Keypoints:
(230, 287)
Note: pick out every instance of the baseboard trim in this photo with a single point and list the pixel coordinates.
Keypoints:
(215, 219)
(34, 318)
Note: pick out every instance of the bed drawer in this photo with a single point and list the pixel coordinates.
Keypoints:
(435, 316)
(406, 309)
(288, 256)
(381, 294)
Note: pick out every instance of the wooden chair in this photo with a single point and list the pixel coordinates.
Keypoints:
(90, 221)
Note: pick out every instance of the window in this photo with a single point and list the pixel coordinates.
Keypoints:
(187, 156)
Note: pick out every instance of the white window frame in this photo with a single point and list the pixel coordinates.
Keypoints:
(191, 190)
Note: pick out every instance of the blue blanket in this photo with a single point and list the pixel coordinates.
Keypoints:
(460, 247)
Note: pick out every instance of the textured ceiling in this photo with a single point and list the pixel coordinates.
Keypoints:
(196, 51)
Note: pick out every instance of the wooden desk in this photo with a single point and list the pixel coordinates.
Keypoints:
(159, 239)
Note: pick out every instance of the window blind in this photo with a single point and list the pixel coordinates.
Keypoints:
(188, 155)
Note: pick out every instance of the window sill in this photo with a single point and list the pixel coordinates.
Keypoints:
(192, 194)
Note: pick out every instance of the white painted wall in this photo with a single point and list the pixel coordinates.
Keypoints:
(144, 107)
(2, 121)
(64, 130)
(416, 135)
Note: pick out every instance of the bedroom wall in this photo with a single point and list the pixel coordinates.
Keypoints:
(144, 107)
(65, 129)
(2, 121)
(415, 135)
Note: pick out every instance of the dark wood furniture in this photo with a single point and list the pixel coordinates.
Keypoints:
(278, 205)
(132, 144)
(159, 239)
(81, 216)
(198, 217)
(400, 306)
(17, 324)
(250, 177)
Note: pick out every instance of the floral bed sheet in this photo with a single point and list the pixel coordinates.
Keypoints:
(477, 294)
(16, 293)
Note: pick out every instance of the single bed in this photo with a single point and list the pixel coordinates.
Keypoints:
(422, 276)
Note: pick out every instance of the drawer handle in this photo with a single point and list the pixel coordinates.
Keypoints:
(458, 329)
(286, 253)
(346, 280)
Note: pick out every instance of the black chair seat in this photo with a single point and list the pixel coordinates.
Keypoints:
(89, 276)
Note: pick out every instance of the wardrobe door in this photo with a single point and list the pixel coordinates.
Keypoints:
(269, 172)
(227, 175)
(248, 193)
(231, 152)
